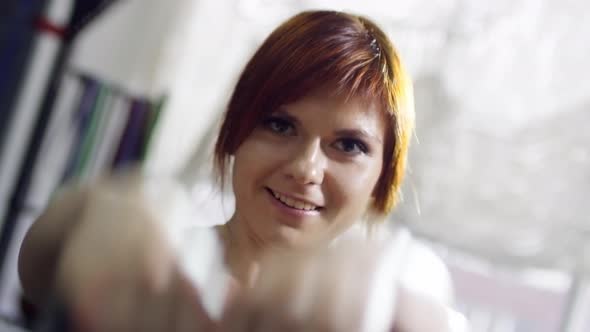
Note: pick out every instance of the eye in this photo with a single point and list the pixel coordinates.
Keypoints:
(279, 125)
(351, 146)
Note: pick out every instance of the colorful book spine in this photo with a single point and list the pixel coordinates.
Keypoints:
(109, 134)
(90, 131)
(82, 118)
(130, 145)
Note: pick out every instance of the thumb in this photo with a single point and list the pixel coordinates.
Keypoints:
(191, 315)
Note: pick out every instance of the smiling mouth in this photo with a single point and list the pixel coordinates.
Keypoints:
(293, 203)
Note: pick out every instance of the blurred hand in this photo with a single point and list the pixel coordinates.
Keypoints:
(351, 287)
(344, 288)
(118, 269)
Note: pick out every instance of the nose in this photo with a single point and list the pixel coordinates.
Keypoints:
(307, 164)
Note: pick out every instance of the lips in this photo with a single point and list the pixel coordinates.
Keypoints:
(293, 202)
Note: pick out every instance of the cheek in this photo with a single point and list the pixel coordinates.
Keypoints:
(353, 185)
(253, 162)
(244, 170)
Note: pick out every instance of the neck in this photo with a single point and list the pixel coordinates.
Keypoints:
(242, 250)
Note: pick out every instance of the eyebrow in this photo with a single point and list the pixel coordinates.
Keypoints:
(357, 133)
(352, 132)
(284, 114)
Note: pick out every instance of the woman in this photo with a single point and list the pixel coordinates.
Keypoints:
(315, 136)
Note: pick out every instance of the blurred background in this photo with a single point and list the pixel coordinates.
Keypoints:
(499, 173)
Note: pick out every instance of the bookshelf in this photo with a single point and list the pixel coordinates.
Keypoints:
(60, 122)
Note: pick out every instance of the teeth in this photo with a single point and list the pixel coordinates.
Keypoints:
(294, 203)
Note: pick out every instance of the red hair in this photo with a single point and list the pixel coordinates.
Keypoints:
(312, 50)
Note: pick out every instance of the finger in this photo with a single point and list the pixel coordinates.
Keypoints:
(232, 317)
(272, 321)
(285, 292)
(234, 290)
(155, 311)
(120, 313)
(189, 313)
(244, 315)
(308, 289)
(108, 308)
(333, 295)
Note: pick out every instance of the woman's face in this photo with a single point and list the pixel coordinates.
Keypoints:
(308, 171)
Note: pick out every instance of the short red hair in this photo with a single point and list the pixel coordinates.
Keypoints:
(312, 50)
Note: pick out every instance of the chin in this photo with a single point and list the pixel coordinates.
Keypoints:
(289, 237)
